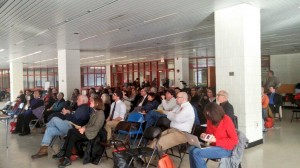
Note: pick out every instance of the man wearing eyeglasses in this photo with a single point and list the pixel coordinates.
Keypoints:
(222, 98)
(117, 113)
(182, 120)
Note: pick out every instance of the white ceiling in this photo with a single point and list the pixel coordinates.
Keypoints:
(131, 30)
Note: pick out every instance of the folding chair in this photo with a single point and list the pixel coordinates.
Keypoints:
(136, 120)
(296, 110)
(122, 126)
(33, 123)
(237, 152)
(163, 123)
(142, 151)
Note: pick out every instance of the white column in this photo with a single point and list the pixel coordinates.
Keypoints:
(238, 66)
(108, 75)
(181, 71)
(16, 79)
(68, 71)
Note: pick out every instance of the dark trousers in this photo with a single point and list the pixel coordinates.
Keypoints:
(274, 108)
(46, 114)
(23, 121)
(72, 138)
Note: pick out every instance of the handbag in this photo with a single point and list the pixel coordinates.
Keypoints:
(165, 162)
(121, 157)
(269, 123)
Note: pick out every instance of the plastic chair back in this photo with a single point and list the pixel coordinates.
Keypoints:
(136, 117)
(152, 133)
(123, 126)
(163, 123)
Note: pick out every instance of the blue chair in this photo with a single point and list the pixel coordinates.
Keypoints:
(138, 119)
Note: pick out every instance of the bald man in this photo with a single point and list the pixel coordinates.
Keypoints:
(57, 126)
(182, 120)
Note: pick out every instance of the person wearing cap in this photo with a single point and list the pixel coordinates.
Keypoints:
(168, 104)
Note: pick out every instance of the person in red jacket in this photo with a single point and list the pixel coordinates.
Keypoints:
(222, 137)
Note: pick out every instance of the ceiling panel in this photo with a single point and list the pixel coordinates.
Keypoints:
(135, 29)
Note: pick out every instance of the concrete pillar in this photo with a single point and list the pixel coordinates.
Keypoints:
(68, 71)
(108, 75)
(181, 71)
(16, 79)
(238, 66)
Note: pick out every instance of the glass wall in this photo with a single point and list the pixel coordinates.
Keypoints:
(198, 74)
(93, 76)
(4, 79)
(36, 77)
(155, 72)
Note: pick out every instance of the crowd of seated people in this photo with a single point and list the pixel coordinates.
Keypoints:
(113, 105)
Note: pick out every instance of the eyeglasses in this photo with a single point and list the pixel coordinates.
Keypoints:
(178, 97)
(220, 95)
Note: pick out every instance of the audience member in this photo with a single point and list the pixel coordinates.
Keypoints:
(145, 83)
(56, 107)
(151, 103)
(182, 120)
(272, 81)
(222, 98)
(34, 111)
(265, 106)
(117, 113)
(106, 101)
(168, 104)
(223, 137)
(275, 100)
(57, 126)
(84, 133)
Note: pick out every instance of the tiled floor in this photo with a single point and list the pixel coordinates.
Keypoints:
(281, 148)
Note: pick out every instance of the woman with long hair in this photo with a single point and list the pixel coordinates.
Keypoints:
(85, 133)
(220, 134)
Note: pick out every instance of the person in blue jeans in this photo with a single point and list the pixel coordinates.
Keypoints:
(57, 126)
(168, 104)
(220, 134)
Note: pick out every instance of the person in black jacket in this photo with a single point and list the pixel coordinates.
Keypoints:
(275, 100)
(222, 98)
(24, 119)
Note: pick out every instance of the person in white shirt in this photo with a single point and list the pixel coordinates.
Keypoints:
(168, 104)
(117, 113)
(182, 120)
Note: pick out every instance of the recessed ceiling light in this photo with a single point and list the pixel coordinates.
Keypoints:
(1, 50)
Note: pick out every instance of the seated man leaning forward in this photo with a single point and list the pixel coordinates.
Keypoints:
(57, 126)
(168, 104)
(117, 113)
(182, 120)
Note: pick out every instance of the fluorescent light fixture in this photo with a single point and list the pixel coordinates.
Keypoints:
(1, 50)
(159, 18)
(42, 32)
(167, 35)
(24, 56)
(110, 31)
(20, 42)
(91, 57)
(45, 60)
